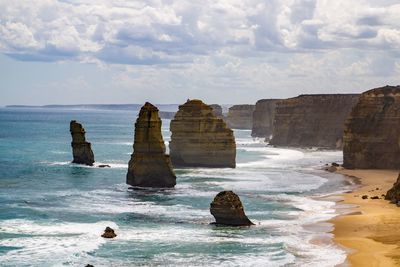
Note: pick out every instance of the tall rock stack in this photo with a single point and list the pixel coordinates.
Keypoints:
(149, 165)
(263, 118)
(372, 131)
(312, 120)
(81, 150)
(200, 139)
(240, 117)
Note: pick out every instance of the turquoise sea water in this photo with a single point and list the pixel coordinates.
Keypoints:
(52, 212)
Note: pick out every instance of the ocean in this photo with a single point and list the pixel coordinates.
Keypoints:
(52, 212)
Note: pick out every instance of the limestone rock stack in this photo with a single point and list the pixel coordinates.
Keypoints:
(81, 150)
(227, 209)
(200, 139)
(240, 117)
(263, 118)
(372, 131)
(149, 165)
(312, 120)
(217, 109)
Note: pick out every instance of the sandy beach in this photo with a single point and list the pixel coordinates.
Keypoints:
(370, 230)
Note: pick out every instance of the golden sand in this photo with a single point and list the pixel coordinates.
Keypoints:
(372, 230)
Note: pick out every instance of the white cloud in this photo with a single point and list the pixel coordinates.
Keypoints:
(212, 49)
(166, 31)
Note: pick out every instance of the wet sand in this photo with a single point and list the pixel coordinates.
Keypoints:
(370, 230)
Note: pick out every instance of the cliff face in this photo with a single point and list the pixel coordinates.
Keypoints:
(149, 166)
(240, 117)
(394, 193)
(312, 120)
(263, 118)
(81, 150)
(372, 131)
(200, 139)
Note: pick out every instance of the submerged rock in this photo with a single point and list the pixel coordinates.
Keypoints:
(200, 139)
(312, 120)
(109, 233)
(104, 166)
(263, 118)
(149, 165)
(394, 193)
(240, 117)
(227, 209)
(81, 150)
(331, 169)
(371, 135)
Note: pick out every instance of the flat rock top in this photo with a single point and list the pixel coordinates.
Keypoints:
(196, 103)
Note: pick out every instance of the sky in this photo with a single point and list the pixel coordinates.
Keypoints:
(220, 51)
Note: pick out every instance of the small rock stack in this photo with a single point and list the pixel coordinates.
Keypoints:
(81, 150)
(149, 165)
(227, 209)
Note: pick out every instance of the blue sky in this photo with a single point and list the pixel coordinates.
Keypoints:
(231, 51)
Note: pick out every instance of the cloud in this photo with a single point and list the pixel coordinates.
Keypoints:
(178, 31)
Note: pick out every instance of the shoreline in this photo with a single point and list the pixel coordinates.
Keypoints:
(368, 229)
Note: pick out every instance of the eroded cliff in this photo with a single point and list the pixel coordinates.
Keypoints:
(312, 120)
(372, 131)
(201, 139)
(263, 118)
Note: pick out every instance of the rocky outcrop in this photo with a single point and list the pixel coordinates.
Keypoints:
(81, 150)
(200, 139)
(240, 117)
(312, 120)
(372, 131)
(227, 209)
(263, 118)
(217, 109)
(109, 233)
(149, 166)
(394, 193)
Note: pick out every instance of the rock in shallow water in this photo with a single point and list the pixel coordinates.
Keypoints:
(109, 233)
(200, 139)
(81, 150)
(227, 209)
(149, 165)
